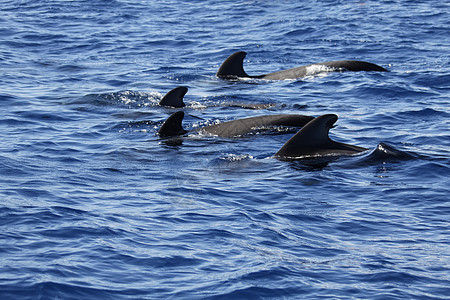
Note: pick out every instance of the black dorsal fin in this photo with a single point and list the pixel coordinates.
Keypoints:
(312, 136)
(173, 125)
(233, 66)
(174, 98)
(313, 140)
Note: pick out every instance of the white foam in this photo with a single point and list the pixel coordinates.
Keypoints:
(317, 69)
(236, 157)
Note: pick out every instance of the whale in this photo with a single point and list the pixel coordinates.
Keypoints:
(312, 140)
(174, 99)
(173, 125)
(232, 68)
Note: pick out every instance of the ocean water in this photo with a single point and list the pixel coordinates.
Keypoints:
(94, 205)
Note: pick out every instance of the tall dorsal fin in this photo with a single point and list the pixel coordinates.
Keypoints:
(313, 140)
(313, 135)
(174, 98)
(173, 125)
(233, 66)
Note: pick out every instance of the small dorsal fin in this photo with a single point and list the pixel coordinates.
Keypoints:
(173, 125)
(312, 135)
(174, 98)
(233, 66)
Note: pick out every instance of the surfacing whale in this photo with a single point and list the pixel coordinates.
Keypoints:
(174, 98)
(313, 141)
(173, 125)
(232, 68)
(310, 142)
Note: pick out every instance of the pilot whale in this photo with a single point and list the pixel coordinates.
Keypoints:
(232, 68)
(173, 125)
(174, 98)
(313, 141)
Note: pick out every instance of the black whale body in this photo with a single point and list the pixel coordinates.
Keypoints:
(173, 125)
(310, 145)
(310, 141)
(232, 68)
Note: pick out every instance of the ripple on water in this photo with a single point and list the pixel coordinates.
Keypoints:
(96, 205)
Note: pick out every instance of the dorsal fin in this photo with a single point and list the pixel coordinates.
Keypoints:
(233, 66)
(174, 98)
(313, 140)
(173, 125)
(311, 136)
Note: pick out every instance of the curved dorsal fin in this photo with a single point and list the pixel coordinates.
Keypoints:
(172, 126)
(174, 98)
(313, 140)
(312, 136)
(233, 66)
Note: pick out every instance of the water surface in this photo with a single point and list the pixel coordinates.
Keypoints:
(96, 206)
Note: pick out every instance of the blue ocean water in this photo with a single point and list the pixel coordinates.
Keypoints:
(96, 206)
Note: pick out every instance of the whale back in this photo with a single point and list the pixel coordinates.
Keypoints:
(174, 98)
(173, 125)
(247, 125)
(313, 140)
(354, 65)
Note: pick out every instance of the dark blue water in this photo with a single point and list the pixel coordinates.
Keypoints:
(94, 205)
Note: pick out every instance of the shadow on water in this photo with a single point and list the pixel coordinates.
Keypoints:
(172, 142)
(312, 164)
